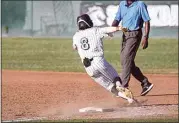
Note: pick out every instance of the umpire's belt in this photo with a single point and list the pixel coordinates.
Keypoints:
(132, 33)
(87, 62)
(134, 30)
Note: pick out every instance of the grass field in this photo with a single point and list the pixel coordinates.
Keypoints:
(149, 120)
(43, 54)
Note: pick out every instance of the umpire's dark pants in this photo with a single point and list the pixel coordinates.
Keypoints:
(130, 44)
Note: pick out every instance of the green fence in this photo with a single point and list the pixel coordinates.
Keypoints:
(58, 18)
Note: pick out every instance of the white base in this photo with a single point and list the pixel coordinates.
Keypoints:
(90, 109)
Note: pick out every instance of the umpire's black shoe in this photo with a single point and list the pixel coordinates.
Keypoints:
(146, 88)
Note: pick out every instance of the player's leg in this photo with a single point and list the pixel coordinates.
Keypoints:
(104, 82)
(107, 70)
(98, 77)
(123, 92)
(95, 74)
(111, 75)
(110, 86)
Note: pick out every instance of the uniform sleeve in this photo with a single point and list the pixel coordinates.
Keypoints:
(103, 32)
(118, 14)
(144, 12)
(106, 30)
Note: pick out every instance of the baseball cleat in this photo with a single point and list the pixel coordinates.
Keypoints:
(125, 93)
(146, 88)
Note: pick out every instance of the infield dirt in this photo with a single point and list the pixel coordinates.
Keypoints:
(59, 95)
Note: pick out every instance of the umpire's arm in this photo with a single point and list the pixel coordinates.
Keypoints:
(118, 17)
(146, 19)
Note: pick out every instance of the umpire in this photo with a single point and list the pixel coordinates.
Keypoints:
(133, 14)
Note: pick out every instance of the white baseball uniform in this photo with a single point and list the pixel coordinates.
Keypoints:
(89, 44)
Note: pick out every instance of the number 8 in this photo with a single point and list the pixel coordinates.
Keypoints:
(84, 44)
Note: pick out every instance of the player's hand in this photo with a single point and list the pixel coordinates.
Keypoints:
(75, 47)
(145, 42)
(124, 30)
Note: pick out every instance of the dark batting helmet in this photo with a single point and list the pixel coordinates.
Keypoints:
(84, 22)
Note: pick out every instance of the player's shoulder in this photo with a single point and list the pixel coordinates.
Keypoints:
(76, 33)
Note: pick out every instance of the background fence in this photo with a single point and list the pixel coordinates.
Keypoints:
(58, 18)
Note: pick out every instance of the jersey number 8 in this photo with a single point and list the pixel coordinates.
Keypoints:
(84, 44)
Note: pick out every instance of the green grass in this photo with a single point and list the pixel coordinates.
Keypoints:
(147, 120)
(47, 54)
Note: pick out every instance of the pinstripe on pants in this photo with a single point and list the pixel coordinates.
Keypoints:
(102, 72)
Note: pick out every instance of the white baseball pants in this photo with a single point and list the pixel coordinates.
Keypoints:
(102, 72)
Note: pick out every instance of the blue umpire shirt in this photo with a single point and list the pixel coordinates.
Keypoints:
(132, 16)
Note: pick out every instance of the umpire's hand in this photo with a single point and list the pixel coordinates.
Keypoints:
(145, 42)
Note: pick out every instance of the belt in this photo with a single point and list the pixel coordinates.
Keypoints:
(134, 30)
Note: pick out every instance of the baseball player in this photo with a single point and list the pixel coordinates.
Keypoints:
(89, 44)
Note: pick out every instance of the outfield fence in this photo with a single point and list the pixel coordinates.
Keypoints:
(58, 18)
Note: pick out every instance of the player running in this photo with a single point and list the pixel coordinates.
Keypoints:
(89, 44)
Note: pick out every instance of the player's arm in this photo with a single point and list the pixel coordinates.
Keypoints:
(75, 47)
(74, 44)
(108, 30)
